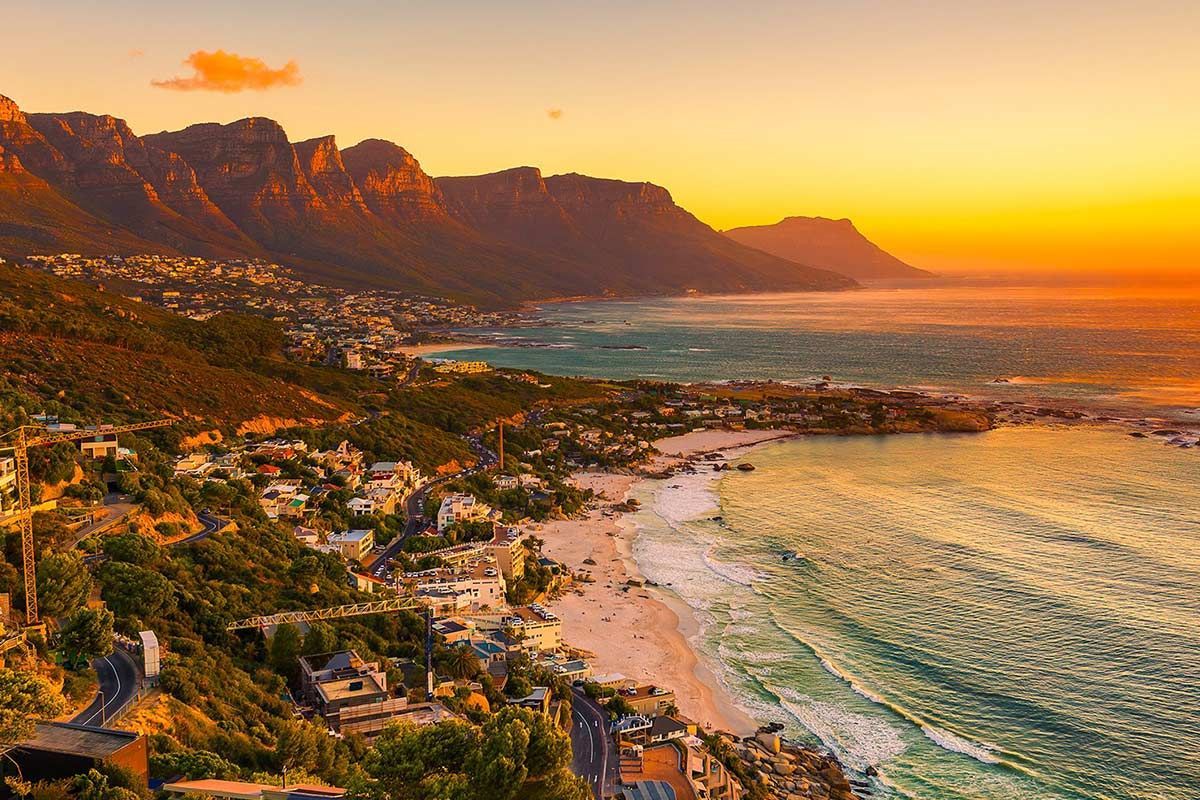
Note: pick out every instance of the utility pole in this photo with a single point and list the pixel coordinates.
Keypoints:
(501, 446)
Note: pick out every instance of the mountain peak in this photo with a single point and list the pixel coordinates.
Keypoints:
(10, 111)
(832, 244)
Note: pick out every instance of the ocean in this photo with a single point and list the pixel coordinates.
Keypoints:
(997, 616)
(1005, 615)
(1119, 352)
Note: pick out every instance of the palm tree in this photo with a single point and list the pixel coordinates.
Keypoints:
(463, 662)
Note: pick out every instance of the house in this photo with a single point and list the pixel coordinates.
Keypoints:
(505, 482)
(102, 445)
(353, 545)
(195, 465)
(8, 484)
(536, 700)
(461, 508)
(534, 626)
(361, 506)
(649, 701)
(62, 750)
(240, 790)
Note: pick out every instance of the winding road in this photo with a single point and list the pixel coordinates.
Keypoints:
(119, 677)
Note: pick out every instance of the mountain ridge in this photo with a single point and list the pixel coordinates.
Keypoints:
(367, 216)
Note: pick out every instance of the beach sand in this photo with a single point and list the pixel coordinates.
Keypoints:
(641, 633)
(419, 350)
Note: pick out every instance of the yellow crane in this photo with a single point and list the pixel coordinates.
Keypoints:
(336, 612)
(28, 436)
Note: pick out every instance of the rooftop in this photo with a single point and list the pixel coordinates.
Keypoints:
(83, 740)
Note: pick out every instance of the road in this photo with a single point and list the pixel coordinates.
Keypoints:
(414, 506)
(591, 745)
(211, 524)
(118, 675)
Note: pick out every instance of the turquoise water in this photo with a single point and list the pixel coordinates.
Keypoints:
(1006, 615)
(1131, 354)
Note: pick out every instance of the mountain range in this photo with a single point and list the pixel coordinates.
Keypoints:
(367, 216)
(832, 244)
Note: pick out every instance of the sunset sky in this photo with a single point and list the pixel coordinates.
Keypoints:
(959, 135)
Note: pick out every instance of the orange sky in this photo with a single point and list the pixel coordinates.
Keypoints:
(1024, 136)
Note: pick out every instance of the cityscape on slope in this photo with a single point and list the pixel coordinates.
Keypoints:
(257, 478)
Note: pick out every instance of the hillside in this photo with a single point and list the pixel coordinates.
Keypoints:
(626, 237)
(830, 244)
(367, 216)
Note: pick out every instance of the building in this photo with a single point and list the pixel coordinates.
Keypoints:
(473, 587)
(102, 445)
(8, 485)
(461, 508)
(507, 550)
(353, 545)
(649, 701)
(535, 627)
(62, 750)
(240, 790)
(536, 700)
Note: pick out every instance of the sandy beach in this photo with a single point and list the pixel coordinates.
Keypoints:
(421, 350)
(641, 633)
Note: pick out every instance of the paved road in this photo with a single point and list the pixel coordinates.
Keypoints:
(119, 677)
(211, 523)
(590, 745)
(415, 505)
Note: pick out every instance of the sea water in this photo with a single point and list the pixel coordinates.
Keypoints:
(1126, 353)
(1013, 614)
(1007, 615)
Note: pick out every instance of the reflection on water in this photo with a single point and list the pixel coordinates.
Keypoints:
(1127, 352)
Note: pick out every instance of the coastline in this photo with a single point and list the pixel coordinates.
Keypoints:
(642, 632)
(421, 350)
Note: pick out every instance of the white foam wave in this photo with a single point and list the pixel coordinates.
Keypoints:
(957, 744)
(699, 349)
(860, 740)
(734, 573)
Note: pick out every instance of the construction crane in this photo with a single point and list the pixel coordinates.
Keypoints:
(336, 612)
(28, 436)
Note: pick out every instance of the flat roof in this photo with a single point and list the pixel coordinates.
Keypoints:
(346, 687)
(83, 740)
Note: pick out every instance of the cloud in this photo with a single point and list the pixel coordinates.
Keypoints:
(136, 52)
(554, 113)
(219, 71)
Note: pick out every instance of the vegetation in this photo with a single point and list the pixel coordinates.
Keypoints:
(516, 753)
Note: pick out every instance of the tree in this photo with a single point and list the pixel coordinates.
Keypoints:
(132, 548)
(64, 583)
(193, 765)
(131, 590)
(463, 663)
(94, 785)
(24, 697)
(321, 638)
(285, 649)
(88, 634)
(421, 763)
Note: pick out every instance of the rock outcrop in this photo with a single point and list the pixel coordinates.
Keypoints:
(832, 244)
(367, 216)
(392, 183)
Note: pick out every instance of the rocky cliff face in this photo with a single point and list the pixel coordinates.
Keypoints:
(321, 162)
(626, 237)
(833, 244)
(392, 183)
(249, 169)
(365, 216)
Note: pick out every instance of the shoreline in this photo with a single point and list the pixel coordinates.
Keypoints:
(642, 632)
